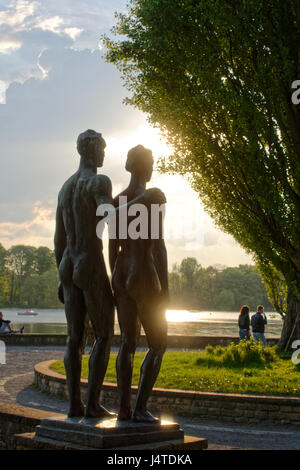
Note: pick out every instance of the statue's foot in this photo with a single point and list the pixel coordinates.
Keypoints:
(76, 410)
(125, 414)
(144, 417)
(98, 411)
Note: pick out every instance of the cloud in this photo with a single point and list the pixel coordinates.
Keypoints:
(53, 24)
(17, 14)
(80, 22)
(38, 231)
(6, 46)
(74, 32)
(21, 62)
(41, 120)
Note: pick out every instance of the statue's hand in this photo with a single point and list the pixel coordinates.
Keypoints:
(154, 196)
(60, 293)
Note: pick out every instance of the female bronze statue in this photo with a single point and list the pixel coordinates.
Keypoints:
(140, 285)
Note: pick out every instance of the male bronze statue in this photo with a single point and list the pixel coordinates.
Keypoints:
(84, 286)
(140, 285)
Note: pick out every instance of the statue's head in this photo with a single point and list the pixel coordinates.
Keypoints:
(140, 162)
(90, 146)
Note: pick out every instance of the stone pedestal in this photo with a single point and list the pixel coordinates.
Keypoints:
(89, 433)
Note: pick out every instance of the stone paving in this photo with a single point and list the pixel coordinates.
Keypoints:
(16, 378)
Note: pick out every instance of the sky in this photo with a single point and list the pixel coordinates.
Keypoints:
(55, 84)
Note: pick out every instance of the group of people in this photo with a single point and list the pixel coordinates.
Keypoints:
(257, 323)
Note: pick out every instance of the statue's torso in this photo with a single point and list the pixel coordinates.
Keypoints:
(136, 271)
(83, 259)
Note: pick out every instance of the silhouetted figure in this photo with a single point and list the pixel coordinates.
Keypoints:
(84, 284)
(258, 322)
(244, 323)
(140, 284)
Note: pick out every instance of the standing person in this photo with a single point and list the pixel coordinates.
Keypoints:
(258, 322)
(140, 284)
(244, 323)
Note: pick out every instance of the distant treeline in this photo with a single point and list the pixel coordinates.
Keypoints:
(216, 287)
(29, 278)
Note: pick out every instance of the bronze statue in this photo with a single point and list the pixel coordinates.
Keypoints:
(84, 285)
(140, 285)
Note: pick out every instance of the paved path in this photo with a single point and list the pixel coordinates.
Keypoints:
(16, 378)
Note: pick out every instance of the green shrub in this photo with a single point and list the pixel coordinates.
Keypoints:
(209, 350)
(247, 373)
(219, 351)
(243, 353)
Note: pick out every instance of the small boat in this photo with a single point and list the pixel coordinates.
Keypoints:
(28, 313)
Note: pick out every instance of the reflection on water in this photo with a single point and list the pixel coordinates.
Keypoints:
(180, 322)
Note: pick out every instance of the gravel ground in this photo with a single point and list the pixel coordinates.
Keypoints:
(16, 377)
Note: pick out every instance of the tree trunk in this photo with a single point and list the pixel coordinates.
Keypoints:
(12, 288)
(291, 326)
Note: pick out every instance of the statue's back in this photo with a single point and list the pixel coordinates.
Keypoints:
(82, 260)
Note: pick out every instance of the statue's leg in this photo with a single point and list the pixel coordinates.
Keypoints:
(130, 327)
(155, 325)
(75, 314)
(100, 309)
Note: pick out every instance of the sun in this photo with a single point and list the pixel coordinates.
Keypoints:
(150, 138)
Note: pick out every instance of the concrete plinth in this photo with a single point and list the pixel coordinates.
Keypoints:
(106, 433)
(62, 432)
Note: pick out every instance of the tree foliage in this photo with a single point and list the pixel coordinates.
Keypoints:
(276, 287)
(28, 277)
(216, 77)
(211, 288)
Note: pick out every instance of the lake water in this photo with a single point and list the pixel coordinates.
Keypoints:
(180, 322)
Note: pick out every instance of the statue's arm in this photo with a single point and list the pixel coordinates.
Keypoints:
(162, 267)
(60, 243)
(60, 237)
(102, 190)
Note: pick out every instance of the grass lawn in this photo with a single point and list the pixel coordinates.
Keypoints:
(206, 372)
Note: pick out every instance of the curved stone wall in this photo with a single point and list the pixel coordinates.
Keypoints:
(174, 341)
(224, 407)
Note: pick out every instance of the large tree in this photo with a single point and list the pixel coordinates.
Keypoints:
(216, 76)
(21, 264)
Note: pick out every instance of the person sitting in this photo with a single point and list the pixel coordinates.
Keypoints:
(244, 323)
(258, 322)
(5, 326)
